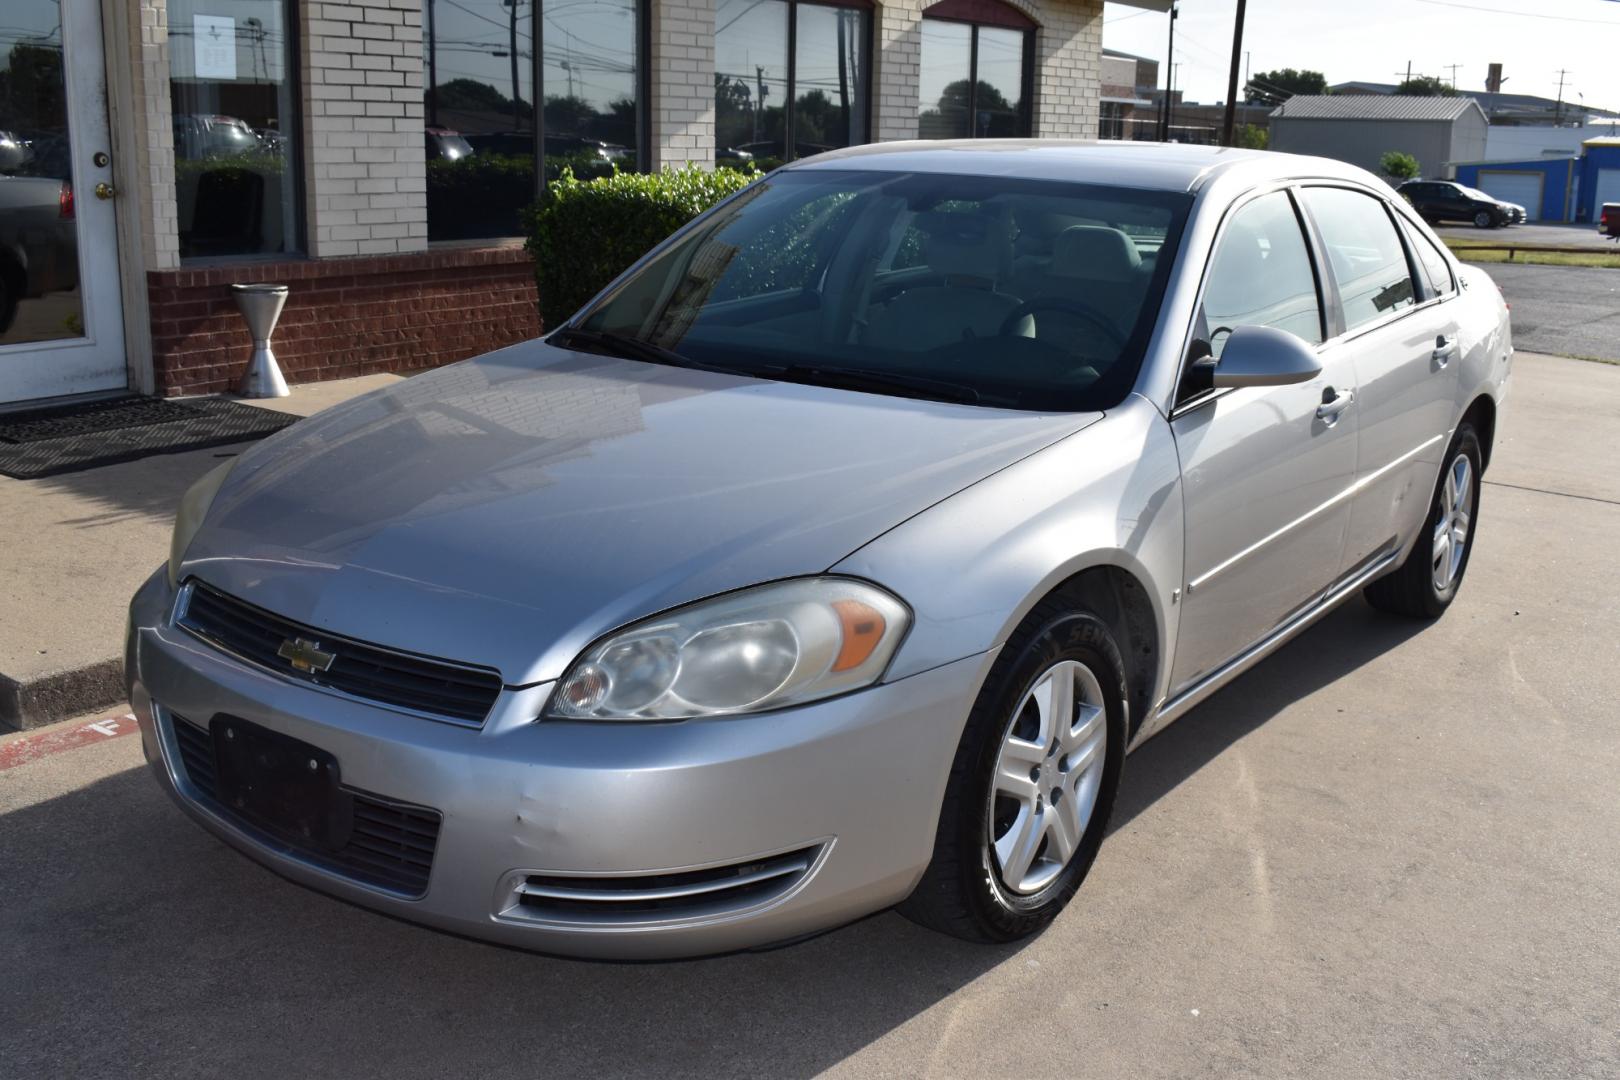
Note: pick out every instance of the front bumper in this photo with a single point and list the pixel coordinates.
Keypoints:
(855, 783)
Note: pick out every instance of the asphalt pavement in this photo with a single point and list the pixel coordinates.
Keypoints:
(1550, 233)
(1392, 850)
(1565, 310)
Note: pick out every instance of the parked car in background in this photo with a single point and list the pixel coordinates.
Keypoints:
(1440, 201)
(15, 153)
(38, 242)
(442, 144)
(198, 136)
(834, 557)
(1609, 221)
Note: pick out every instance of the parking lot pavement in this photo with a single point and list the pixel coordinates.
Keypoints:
(1553, 234)
(1565, 310)
(1393, 850)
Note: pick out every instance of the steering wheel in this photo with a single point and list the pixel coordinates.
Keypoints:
(1083, 311)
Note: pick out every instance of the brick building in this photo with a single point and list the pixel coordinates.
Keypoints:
(375, 155)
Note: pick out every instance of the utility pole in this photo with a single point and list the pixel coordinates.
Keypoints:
(1231, 79)
(1408, 72)
(433, 69)
(1169, 75)
(1558, 110)
(1453, 69)
(517, 122)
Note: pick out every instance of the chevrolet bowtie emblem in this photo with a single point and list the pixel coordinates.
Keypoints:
(305, 655)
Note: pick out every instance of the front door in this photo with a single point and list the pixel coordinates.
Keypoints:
(61, 317)
(1265, 470)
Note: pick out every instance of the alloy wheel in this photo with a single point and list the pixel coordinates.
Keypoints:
(1048, 773)
(1451, 531)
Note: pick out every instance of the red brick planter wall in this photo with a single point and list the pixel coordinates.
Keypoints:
(344, 317)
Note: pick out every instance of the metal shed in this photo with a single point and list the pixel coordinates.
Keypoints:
(1361, 128)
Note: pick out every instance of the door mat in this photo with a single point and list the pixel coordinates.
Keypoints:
(49, 442)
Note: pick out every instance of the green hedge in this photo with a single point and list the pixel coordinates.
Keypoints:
(484, 195)
(586, 232)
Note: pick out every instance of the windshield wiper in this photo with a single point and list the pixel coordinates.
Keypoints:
(631, 348)
(882, 382)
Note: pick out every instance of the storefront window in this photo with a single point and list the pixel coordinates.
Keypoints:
(480, 125)
(976, 68)
(770, 54)
(235, 139)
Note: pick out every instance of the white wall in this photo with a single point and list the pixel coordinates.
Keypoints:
(1528, 143)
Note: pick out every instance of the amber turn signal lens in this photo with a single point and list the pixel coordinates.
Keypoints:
(863, 627)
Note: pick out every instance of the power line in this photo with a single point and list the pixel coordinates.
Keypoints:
(1522, 14)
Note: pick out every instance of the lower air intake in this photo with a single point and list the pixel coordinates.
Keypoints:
(676, 897)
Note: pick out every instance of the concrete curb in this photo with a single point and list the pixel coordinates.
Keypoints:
(60, 695)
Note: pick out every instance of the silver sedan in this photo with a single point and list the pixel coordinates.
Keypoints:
(834, 557)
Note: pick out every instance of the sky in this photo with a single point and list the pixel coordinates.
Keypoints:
(1374, 40)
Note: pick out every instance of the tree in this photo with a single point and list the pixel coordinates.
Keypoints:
(1399, 165)
(1252, 137)
(1271, 87)
(1425, 86)
(470, 95)
(568, 115)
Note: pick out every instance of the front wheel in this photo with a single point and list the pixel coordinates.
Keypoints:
(1033, 781)
(1428, 580)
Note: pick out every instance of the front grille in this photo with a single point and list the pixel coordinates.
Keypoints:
(402, 680)
(391, 845)
(688, 894)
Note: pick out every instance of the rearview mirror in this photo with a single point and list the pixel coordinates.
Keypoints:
(1265, 356)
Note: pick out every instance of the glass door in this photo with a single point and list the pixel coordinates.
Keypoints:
(61, 318)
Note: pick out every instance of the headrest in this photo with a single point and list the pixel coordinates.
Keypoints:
(1096, 253)
(971, 245)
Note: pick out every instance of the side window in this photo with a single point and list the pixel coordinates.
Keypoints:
(1261, 274)
(1369, 263)
(1434, 263)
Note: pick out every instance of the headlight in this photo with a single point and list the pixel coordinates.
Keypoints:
(758, 649)
(189, 518)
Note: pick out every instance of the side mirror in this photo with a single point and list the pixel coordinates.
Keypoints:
(1265, 356)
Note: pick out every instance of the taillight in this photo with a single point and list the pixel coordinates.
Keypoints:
(64, 202)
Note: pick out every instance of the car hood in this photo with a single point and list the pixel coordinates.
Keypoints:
(508, 510)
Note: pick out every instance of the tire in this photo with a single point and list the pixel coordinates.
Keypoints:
(963, 892)
(1482, 220)
(1415, 589)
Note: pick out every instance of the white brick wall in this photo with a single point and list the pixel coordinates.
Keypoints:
(682, 64)
(153, 140)
(1068, 67)
(1068, 56)
(365, 177)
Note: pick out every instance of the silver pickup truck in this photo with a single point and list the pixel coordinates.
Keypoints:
(38, 241)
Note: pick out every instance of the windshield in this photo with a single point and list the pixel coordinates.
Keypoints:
(1015, 293)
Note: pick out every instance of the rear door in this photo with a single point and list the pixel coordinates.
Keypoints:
(1265, 470)
(1398, 331)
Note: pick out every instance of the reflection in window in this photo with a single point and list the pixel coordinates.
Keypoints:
(947, 72)
(974, 80)
(1261, 274)
(39, 240)
(826, 78)
(479, 104)
(231, 94)
(1369, 263)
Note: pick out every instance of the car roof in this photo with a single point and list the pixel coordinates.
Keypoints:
(1157, 166)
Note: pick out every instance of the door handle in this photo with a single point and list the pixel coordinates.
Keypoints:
(1445, 346)
(1333, 404)
(105, 190)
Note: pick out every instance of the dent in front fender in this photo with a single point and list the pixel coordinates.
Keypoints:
(974, 565)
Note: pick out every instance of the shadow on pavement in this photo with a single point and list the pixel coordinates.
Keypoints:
(136, 944)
